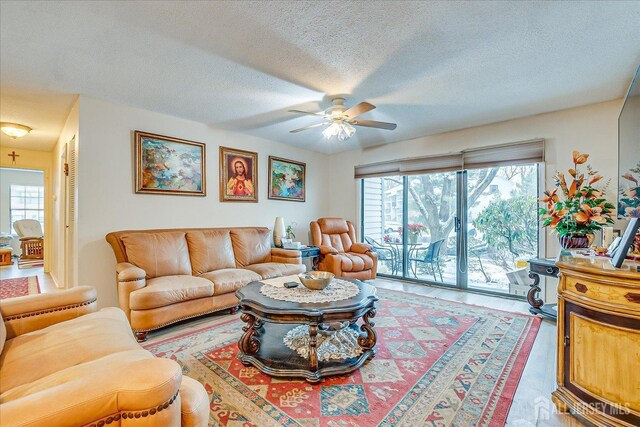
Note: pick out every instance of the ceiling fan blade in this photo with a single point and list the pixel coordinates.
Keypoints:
(374, 124)
(307, 127)
(356, 110)
(306, 112)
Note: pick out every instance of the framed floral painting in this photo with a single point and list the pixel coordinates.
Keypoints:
(238, 175)
(287, 179)
(167, 165)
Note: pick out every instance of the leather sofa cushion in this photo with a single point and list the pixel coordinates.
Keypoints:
(355, 262)
(158, 254)
(230, 279)
(267, 270)
(210, 250)
(34, 355)
(251, 246)
(169, 290)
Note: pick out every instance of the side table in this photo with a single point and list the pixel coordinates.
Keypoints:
(5, 256)
(541, 267)
(309, 252)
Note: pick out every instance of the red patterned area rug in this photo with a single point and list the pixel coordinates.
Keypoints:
(439, 363)
(18, 287)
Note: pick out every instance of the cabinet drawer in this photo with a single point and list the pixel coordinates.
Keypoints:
(606, 293)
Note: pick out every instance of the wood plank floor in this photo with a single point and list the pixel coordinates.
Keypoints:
(532, 402)
(44, 279)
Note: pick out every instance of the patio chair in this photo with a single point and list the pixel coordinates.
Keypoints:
(385, 253)
(431, 257)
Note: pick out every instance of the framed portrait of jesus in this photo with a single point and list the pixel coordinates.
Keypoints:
(238, 175)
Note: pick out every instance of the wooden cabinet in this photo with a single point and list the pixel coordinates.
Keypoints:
(598, 369)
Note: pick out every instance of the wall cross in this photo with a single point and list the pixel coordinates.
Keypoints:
(13, 156)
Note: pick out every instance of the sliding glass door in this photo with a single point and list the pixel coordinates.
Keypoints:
(502, 227)
(382, 218)
(470, 229)
(430, 229)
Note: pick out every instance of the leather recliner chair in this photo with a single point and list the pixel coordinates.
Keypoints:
(340, 253)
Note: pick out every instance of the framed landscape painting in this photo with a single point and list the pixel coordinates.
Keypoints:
(287, 179)
(166, 165)
(238, 175)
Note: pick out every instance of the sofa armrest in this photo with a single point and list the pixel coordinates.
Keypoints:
(135, 386)
(286, 256)
(194, 403)
(286, 253)
(130, 278)
(33, 312)
(324, 250)
(361, 248)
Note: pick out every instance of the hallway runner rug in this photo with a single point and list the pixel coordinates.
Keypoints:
(19, 286)
(438, 363)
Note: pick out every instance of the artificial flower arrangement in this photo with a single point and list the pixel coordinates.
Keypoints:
(578, 209)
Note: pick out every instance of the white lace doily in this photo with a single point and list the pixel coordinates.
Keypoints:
(337, 345)
(336, 291)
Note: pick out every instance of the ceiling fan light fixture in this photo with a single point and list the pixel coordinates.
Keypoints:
(14, 130)
(342, 131)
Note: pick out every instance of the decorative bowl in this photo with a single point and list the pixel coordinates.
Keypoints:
(316, 280)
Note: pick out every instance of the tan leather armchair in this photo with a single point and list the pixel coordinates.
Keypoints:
(64, 363)
(340, 253)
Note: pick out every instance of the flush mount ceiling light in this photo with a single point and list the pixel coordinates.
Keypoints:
(14, 130)
(341, 120)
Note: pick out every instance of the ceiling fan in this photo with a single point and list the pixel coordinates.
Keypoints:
(340, 120)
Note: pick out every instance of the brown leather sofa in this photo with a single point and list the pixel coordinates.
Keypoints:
(164, 276)
(62, 363)
(340, 253)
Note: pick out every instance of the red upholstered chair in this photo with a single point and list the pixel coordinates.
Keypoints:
(340, 253)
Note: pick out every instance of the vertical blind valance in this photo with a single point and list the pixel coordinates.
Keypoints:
(531, 151)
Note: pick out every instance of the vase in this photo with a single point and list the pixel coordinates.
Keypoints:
(574, 241)
(413, 238)
(278, 231)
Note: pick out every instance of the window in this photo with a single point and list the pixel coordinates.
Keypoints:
(27, 202)
(466, 219)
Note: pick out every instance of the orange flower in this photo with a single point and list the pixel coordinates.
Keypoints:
(595, 179)
(581, 217)
(579, 158)
(630, 177)
(551, 197)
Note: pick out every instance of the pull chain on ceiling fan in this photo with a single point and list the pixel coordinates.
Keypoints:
(340, 120)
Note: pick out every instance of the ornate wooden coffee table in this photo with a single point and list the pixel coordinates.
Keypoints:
(268, 320)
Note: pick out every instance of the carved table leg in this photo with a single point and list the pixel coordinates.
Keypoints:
(313, 346)
(248, 343)
(532, 295)
(368, 341)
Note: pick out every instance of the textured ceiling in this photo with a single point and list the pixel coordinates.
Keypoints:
(44, 112)
(428, 66)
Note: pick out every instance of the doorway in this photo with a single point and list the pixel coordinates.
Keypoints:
(22, 222)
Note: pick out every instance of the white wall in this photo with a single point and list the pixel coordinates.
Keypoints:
(592, 129)
(107, 201)
(63, 278)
